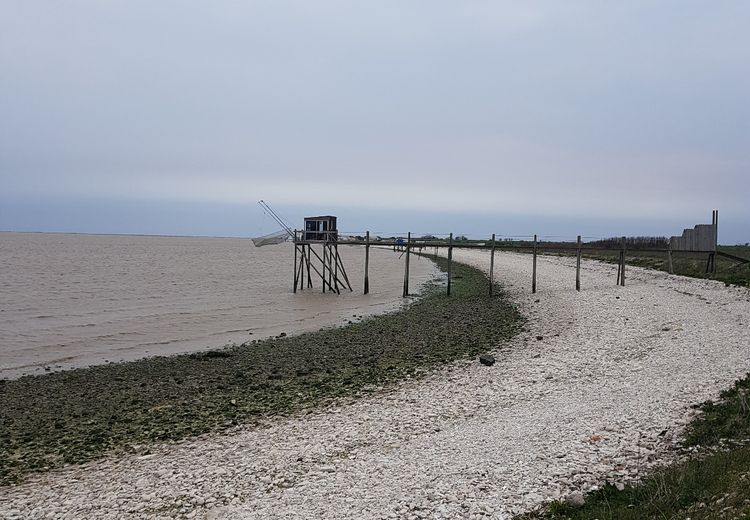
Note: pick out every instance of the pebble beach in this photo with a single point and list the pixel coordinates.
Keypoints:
(596, 388)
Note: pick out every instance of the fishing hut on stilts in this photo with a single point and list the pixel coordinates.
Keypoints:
(319, 232)
(316, 250)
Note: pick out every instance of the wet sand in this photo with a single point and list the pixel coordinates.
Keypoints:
(80, 300)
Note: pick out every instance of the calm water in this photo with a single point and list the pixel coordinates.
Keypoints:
(75, 300)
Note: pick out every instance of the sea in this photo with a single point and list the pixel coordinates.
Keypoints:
(74, 300)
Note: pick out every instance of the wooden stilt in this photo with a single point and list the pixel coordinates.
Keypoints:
(345, 277)
(325, 274)
(335, 253)
(330, 270)
(296, 267)
(533, 270)
(307, 260)
(301, 269)
(578, 264)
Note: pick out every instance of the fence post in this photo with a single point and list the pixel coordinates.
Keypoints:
(622, 275)
(670, 267)
(533, 274)
(492, 264)
(450, 261)
(578, 265)
(406, 265)
(367, 263)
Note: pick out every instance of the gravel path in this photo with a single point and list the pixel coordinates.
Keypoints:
(583, 395)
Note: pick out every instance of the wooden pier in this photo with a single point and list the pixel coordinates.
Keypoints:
(327, 266)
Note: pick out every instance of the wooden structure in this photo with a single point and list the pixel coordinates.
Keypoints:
(319, 232)
(320, 229)
(703, 238)
(322, 232)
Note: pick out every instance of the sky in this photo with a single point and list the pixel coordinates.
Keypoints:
(557, 118)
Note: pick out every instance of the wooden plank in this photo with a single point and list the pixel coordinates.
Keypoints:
(533, 271)
(367, 263)
(578, 264)
(492, 263)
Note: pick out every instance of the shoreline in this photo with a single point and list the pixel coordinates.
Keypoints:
(109, 408)
(596, 387)
(102, 300)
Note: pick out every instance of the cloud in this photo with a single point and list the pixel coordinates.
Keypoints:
(546, 107)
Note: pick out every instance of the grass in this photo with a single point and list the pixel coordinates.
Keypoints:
(74, 416)
(712, 485)
(689, 264)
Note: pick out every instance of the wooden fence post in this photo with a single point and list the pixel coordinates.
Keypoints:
(670, 267)
(716, 240)
(406, 265)
(533, 273)
(492, 264)
(578, 265)
(367, 263)
(622, 274)
(450, 261)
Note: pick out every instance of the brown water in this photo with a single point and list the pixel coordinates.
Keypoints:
(77, 300)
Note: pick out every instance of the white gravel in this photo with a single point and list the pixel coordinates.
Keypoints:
(617, 364)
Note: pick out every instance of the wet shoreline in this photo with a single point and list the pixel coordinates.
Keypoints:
(73, 416)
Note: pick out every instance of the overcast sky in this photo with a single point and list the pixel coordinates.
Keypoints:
(473, 116)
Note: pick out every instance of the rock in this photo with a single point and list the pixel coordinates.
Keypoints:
(575, 499)
(539, 338)
(487, 360)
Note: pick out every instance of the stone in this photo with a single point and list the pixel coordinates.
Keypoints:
(575, 499)
(487, 360)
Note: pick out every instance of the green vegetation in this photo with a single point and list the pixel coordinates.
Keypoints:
(688, 264)
(74, 416)
(712, 485)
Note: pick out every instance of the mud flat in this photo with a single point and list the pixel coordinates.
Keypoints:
(73, 416)
(596, 387)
